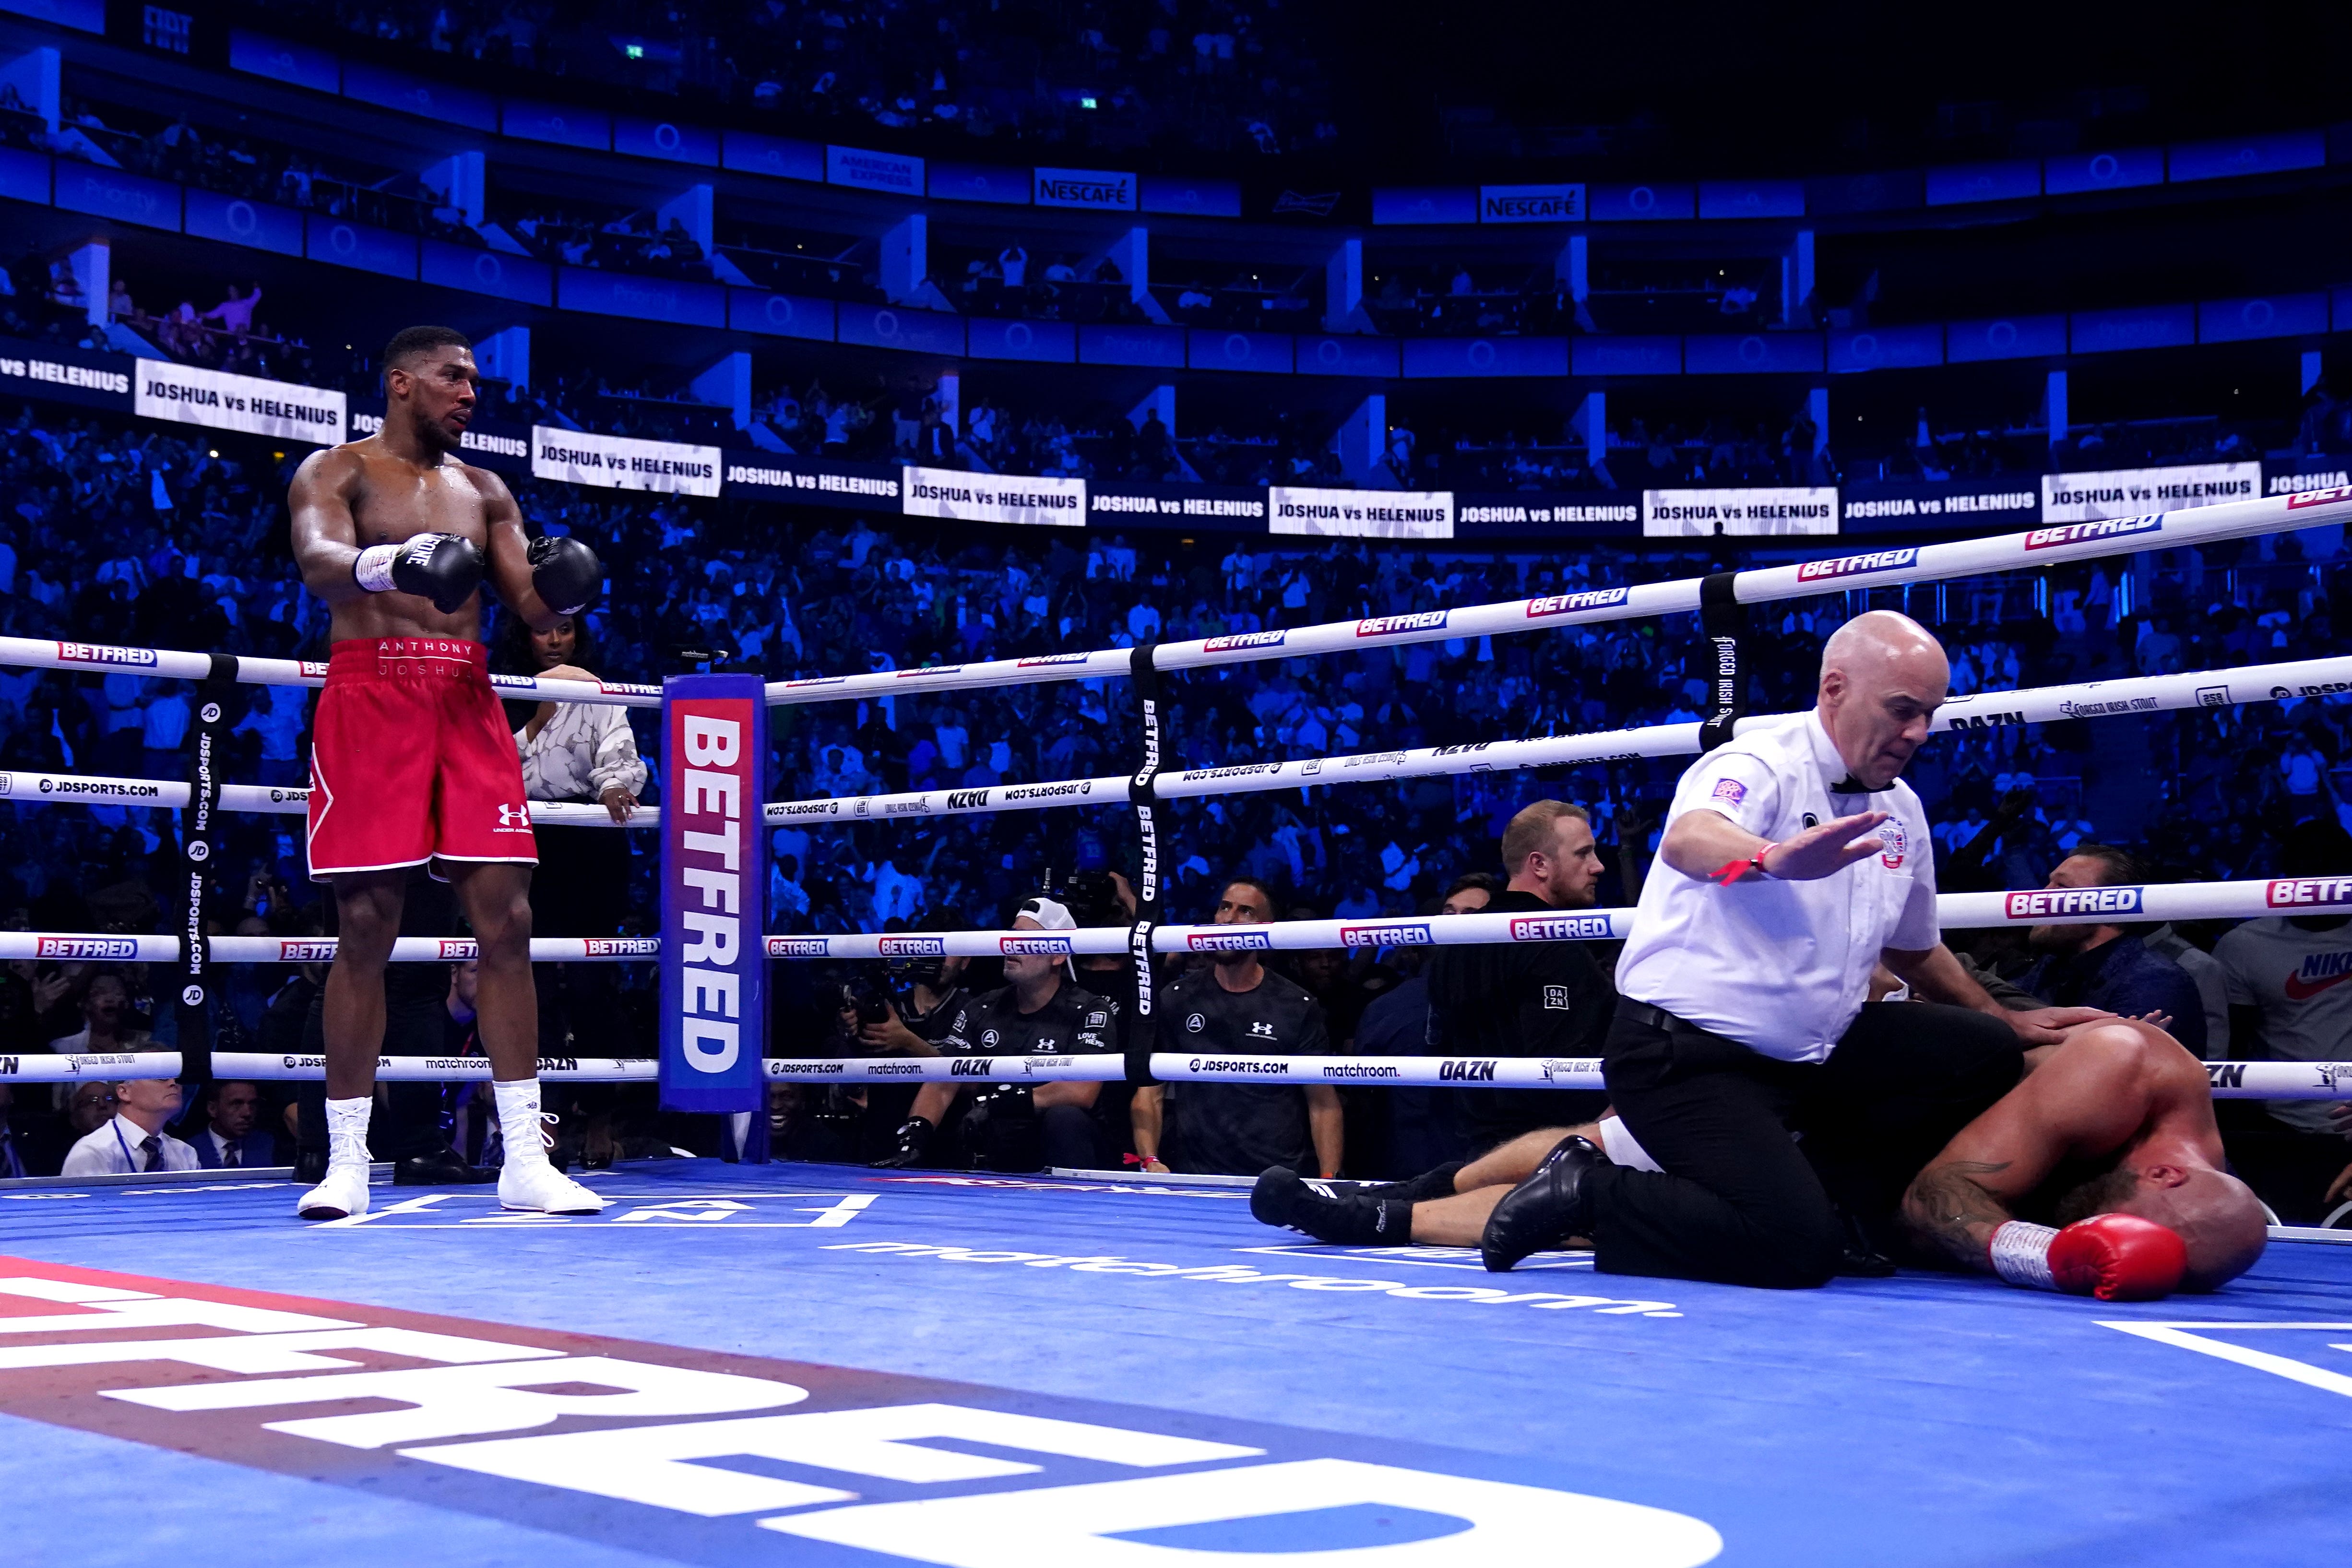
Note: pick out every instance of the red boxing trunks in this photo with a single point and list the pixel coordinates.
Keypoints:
(411, 760)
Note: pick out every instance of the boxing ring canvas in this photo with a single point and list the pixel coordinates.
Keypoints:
(828, 1365)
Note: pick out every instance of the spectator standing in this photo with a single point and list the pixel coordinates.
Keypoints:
(1237, 1006)
(584, 752)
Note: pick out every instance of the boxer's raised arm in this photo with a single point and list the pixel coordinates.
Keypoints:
(326, 534)
(509, 555)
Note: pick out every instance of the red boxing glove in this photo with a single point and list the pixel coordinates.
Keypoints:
(2114, 1257)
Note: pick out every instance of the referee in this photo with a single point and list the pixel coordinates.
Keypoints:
(1745, 1058)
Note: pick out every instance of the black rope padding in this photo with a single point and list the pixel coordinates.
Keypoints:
(208, 749)
(1724, 620)
(1142, 793)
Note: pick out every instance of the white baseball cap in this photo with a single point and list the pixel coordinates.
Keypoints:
(1049, 914)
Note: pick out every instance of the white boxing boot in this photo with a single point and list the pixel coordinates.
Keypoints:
(344, 1193)
(527, 1182)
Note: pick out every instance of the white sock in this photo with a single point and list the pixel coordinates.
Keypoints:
(347, 1129)
(519, 1122)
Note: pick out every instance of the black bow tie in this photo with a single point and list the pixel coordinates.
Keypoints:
(1850, 785)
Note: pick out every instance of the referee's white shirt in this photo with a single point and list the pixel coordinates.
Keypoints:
(1782, 967)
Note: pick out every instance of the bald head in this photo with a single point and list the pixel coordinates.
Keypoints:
(2215, 1215)
(1882, 677)
(1877, 639)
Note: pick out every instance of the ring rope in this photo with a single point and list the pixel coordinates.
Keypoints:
(2034, 705)
(1990, 710)
(2229, 1080)
(172, 664)
(2123, 904)
(2035, 548)
(2055, 545)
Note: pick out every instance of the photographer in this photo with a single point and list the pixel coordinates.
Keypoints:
(1039, 1011)
(907, 1015)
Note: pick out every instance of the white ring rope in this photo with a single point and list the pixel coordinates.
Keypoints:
(94, 948)
(285, 800)
(2126, 904)
(2035, 705)
(2041, 547)
(1979, 711)
(2055, 545)
(2229, 1081)
(171, 664)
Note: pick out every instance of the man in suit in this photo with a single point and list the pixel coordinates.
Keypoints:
(231, 1135)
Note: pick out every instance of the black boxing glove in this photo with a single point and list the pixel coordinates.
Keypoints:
(441, 567)
(565, 574)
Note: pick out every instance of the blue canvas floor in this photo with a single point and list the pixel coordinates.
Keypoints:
(1924, 1420)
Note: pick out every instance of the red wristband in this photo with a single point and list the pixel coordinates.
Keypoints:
(1737, 870)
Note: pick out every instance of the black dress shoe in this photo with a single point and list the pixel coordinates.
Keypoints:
(1546, 1209)
(1336, 1215)
(1860, 1258)
(441, 1168)
(309, 1166)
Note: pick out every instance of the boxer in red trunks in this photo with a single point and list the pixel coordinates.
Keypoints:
(411, 762)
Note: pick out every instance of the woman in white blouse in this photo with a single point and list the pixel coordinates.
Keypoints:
(576, 752)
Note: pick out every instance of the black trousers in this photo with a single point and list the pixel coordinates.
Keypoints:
(1760, 1155)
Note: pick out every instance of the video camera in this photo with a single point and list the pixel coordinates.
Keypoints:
(1087, 890)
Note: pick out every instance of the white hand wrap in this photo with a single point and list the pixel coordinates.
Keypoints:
(2020, 1254)
(372, 570)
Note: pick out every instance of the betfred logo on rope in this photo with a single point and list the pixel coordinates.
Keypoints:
(1390, 626)
(1033, 946)
(311, 951)
(1240, 640)
(1856, 565)
(1569, 603)
(1399, 934)
(2105, 527)
(911, 946)
(798, 947)
(1229, 941)
(101, 654)
(622, 946)
(2052, 904)
(1561, 928)
(2319, 498)
(2307, 892)
(98, 947)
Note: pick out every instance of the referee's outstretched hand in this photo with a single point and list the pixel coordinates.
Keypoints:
(1825, 850)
